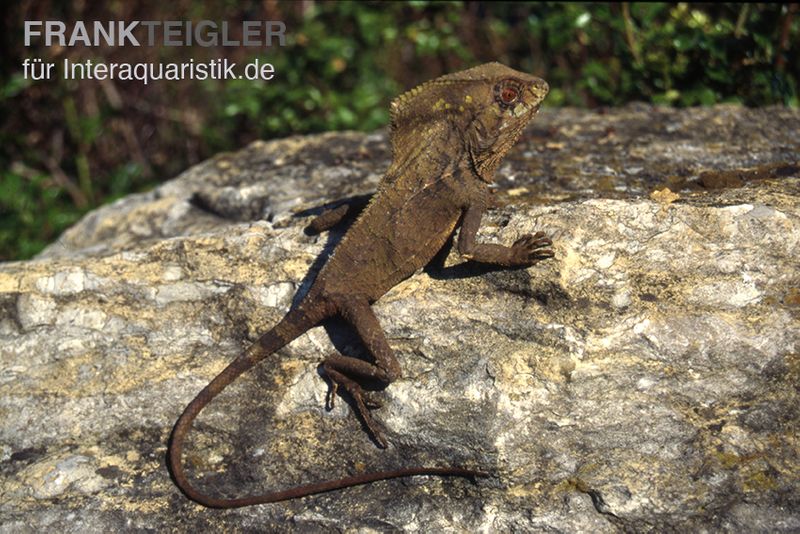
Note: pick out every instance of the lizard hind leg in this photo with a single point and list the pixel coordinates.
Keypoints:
(347, 371)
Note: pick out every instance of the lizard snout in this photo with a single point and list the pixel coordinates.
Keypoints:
(539, 88)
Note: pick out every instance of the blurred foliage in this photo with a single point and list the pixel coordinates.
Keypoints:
(67, 146)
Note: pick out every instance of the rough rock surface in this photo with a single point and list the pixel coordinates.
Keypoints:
(646, 379)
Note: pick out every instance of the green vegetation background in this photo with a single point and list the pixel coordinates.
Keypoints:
(68, 146)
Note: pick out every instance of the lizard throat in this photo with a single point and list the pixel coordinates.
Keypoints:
(486, 164)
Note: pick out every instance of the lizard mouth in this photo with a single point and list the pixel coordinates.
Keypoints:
(533, 110)
(522, 110)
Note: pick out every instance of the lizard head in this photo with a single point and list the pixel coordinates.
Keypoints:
(504, 104)
(488, 106)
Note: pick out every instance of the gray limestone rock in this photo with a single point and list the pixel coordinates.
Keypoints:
(646, 379)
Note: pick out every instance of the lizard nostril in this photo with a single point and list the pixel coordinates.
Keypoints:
(538, 88)
(542, 86)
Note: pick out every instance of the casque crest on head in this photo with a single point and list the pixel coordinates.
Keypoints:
(443, 95)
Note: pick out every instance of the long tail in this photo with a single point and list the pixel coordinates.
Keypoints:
(291, 327)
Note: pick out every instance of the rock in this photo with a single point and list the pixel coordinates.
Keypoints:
(646, 379)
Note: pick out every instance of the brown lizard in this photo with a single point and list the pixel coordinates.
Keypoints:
(448, 136)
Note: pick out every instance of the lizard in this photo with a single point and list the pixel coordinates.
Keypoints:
(448, 138)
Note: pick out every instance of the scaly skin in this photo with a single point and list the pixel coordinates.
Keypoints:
(449, 136)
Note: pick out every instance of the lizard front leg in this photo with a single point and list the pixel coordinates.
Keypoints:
(344, 370)
(331, 217)
(525, 251)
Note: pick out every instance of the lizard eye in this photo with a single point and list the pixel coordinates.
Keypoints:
(508, 95)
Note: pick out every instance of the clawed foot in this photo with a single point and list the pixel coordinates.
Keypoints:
(529, 249)
(364, 403)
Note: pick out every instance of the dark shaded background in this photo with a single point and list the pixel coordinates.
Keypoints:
(67, 146)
